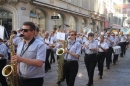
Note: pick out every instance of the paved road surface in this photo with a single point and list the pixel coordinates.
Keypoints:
(118, 75)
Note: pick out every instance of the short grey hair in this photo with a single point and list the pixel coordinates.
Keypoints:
(47, 32)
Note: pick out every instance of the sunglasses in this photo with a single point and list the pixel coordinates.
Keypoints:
(25, 30)
(72, 34)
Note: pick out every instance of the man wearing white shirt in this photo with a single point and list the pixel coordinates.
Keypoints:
(52, 44)
(103, 47)
(109, 41)
(78, 38)
(90, 59)
(122, 43)
(48, 51)
(116, 42)
(18, 32)
(37, 36)
(16, 39)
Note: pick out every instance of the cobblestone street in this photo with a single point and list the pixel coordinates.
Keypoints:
(118, 75)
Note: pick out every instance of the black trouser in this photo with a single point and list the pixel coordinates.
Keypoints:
(9, 56)
(123, 48)
(101, 58)
(47, 64)
(90, 62)
(52, 57)
(115, 58)
(2, 78)
(31, 81)
(71, 70)
(109, 56)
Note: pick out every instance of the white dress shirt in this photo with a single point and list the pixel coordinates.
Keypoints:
(103, 45)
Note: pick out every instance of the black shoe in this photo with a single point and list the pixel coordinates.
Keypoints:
(53, 61)
(48, 68)
(59, 82)
(114, 64)
(46, 71)
(89, 84)
(100, 77)
(62, 80)
(108, 67)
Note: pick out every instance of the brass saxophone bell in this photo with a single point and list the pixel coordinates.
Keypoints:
(60, 51)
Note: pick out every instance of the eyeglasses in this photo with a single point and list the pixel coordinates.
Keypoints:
(25, 30)
(72, 34)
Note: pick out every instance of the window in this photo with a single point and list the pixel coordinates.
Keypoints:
(84, 3)
(38, 17)
(74, 2)
(72, 23)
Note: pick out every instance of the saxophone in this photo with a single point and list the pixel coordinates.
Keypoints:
(10, 71)
(60, 53)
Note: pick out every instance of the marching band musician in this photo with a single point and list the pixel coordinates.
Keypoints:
(91, 48)
(122, 43)
(52, 44)
(3, 61)
(37, 36)
(78, 38)
(72, 54)
(109, 41)
(127, 41)
(102, 45)
(31, 54)
(48, 51)
(16, 39)
(116, 42)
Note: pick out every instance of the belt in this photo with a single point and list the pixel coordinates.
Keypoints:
(23, 78)
(101, 52)
(70, 61)
(90, 54)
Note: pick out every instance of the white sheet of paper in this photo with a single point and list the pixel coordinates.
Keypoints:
(60, 36)
(1, 32)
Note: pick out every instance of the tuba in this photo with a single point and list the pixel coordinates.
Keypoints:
(10, 71)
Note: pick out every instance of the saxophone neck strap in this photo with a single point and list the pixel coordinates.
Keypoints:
(23, 51)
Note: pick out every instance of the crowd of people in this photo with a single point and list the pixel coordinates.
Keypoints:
(35, 55)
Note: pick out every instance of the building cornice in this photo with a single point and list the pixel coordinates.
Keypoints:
(58, 8)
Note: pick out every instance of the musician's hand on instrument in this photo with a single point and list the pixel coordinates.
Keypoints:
(85, 45)
(15, 59)
(93, 49)
(50, 45)
(66, 51)
(99, 46)
(19, 59)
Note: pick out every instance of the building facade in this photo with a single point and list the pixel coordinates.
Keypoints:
(72, 14)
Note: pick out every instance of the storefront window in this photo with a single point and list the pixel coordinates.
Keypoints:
(72, 23)
(38, 17)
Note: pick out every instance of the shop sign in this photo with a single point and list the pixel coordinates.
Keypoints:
(23, 8)
(54, 17)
